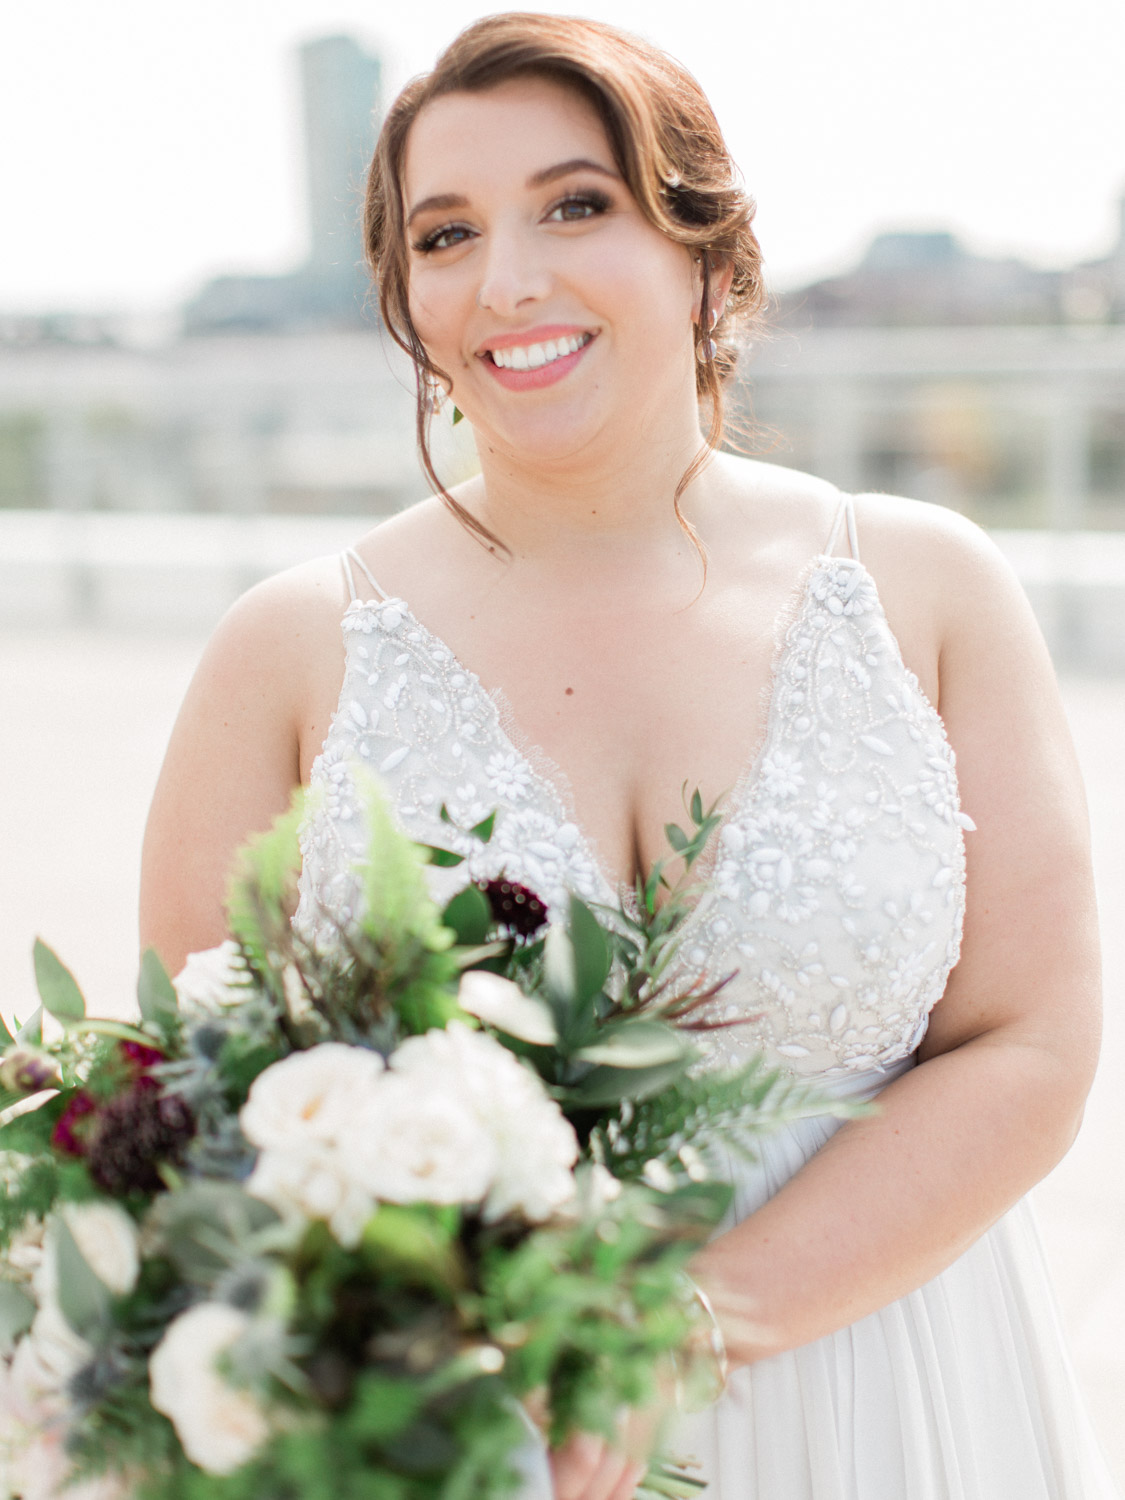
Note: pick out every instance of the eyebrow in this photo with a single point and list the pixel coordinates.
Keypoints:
(441, 201)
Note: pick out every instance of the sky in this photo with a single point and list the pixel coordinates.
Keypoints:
(145, 146)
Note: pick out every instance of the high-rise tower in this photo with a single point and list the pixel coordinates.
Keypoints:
(340, 88)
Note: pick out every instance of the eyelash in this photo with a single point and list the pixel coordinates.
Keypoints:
(590, 198)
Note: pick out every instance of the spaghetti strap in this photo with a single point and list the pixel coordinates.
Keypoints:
(347, 557)
(845, 512)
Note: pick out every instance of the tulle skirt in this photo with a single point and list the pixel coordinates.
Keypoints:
(962, 1390)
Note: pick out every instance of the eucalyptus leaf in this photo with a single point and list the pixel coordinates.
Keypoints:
(636, 1044)
(676, 837)
(469, 916)
(156, 994)
(443, 857)
(591, 951)
(84, 1299)
(696, 807)
(17, 1310)
(559, 969)
(58, 988)
(607, 1085)
(483, 829)
(100, 1026)
(6, 1037)
(32, 1029)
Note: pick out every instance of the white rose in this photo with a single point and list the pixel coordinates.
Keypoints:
(309, 1097)
(46, 1359)
(211, 979)
(313, 1182)
(536, 1146)
(220, 1425)
(106, 1236)
(40, 1469)
(415, 1141)
(500, 1003)
(24, 1254)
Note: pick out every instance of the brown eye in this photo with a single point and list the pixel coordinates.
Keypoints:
(578, 206)
(443, 239)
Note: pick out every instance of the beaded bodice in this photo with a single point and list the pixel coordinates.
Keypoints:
(836, 892)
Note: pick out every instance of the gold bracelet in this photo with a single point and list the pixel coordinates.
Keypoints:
(699, 1385)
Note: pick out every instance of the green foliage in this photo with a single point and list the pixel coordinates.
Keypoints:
(32, 1029)
(30, 1133)
(84, 1299)
(589, 1310)
(732, 1107)
(469, 917)
(156, 995)
(415, 1245)
(263, 892)
(58, 988)
(16, 1312)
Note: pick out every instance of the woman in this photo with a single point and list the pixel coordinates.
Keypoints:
(560, 242)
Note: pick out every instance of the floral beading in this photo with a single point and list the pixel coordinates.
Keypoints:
(837, 892)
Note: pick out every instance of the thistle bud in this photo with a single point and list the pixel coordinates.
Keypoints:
(25, 1070)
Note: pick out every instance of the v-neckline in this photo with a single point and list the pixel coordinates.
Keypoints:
(532, 758)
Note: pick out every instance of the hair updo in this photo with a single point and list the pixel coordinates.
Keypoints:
(666, 143)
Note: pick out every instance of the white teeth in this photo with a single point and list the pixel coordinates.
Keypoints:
(534, 356)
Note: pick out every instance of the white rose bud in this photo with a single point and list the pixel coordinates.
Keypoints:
(500, 1003)
(211, 979)
(309, 1098)
(107, 1238)
(220, 1425)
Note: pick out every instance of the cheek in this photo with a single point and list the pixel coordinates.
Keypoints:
(435, 311)
(647, 290)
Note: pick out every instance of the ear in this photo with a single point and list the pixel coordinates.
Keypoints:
(721, 274)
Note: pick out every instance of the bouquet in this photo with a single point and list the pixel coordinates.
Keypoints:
(331, 1218)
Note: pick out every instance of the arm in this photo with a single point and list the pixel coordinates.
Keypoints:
(893, 1199)
(235, 753)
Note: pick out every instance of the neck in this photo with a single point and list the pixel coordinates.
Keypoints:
(606, 513)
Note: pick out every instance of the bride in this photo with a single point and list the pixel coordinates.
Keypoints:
(561, 243)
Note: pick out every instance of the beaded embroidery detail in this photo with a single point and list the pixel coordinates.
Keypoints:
(837, 892)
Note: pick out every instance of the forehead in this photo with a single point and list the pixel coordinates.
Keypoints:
(466, 143)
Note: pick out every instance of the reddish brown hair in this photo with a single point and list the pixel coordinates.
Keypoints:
(666, 144)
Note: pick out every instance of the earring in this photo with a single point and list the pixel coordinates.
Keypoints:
(707, 349)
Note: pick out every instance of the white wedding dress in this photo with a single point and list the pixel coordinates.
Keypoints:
(837, 892)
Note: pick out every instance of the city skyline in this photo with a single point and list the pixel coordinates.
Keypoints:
(148, 152)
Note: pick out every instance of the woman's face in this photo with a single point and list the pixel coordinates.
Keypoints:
(561, 315)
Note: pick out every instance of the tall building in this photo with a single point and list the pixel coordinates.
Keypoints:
(340, 89)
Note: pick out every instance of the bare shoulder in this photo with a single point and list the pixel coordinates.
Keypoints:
(282, 634)
(942, 577)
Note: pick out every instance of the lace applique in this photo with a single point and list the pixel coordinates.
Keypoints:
(835, 895)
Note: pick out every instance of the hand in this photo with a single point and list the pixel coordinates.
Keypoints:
(587, 1467)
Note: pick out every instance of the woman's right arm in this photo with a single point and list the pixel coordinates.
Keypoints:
(234, 755)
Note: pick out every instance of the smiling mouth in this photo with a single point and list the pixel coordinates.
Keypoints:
(535, 356)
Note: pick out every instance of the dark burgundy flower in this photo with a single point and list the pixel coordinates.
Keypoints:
(70, 1134)
(134, 1135)
(515, 907)
(139, 1057)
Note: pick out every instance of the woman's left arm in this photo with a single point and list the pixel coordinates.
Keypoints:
(1009, 1056)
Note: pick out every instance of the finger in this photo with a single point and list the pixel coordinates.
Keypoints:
(611, 1477)
(626, 1486)
(574, 1465)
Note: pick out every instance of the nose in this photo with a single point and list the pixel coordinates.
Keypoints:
(513, 274)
